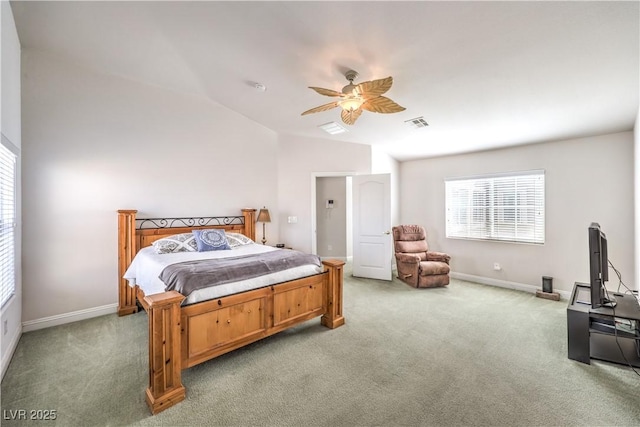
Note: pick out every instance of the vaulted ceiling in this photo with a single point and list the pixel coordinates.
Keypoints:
(482, 74)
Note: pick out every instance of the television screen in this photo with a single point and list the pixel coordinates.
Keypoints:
(599, 267)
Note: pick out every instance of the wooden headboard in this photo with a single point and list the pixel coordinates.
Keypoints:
(135, 234)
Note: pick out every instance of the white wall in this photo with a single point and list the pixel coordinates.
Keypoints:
(298, 159)
(11, 135)
(95, 143)
(383, 163)
(636, 258)
(587, 179)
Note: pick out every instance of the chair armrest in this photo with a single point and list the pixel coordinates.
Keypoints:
(438, 256)
(407, 258)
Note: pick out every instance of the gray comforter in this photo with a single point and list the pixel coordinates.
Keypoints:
(189, 276)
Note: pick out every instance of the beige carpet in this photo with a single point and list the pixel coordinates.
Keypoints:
(464, 355)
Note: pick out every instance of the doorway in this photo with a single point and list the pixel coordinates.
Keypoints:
(332, 235)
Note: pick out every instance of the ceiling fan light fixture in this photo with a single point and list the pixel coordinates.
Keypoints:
(351, 104)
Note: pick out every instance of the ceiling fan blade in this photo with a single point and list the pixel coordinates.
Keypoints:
(326, 92)
(324, 107)
(374, 88)
(350, 116)
(382, 104)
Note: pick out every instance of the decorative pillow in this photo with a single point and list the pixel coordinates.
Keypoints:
(185, 242)
(237, 239)
(211, 240)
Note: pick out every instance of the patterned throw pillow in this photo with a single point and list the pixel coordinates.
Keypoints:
(237, 239)
(185, 242)
(211, 240)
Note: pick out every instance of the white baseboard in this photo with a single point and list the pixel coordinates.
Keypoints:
(74, 316)
(504, 284)
(6, 359)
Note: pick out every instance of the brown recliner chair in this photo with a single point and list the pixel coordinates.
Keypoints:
(417, 265)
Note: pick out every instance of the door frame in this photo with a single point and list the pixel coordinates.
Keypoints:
(314, 222)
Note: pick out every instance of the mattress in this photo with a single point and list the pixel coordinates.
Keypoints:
(147, 265)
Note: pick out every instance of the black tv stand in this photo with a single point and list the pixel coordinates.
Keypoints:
(609, 303)
(594, 333)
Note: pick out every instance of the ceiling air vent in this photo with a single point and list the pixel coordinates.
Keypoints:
(417, 123)
(332, 128)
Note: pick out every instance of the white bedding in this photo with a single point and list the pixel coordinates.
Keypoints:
(147, 265)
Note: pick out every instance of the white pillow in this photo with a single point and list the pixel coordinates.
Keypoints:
(185, 242)
(237, 239)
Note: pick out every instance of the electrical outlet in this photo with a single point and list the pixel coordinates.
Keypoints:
(496, 266)
(329, 247)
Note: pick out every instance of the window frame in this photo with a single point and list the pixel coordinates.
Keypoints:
(498, 207)
(8, 220)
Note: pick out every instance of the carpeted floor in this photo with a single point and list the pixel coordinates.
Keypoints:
(467, 354)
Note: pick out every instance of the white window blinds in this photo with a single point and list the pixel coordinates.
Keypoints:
(505, 207)
(7, 223)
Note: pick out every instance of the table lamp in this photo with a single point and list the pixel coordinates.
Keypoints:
(263, 217)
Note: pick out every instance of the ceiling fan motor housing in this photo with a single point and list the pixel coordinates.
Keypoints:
(348, 89)
(351, 75)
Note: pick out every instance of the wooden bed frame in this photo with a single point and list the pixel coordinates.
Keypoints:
(181, 337)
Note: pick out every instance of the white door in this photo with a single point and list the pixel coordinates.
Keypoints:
(372, 238)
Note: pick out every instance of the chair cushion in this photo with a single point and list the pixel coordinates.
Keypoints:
(409, 232)
(410, 239)
(411, 247)
(429, 268)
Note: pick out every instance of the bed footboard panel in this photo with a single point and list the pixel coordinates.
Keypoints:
(221, 325)
(299, 301)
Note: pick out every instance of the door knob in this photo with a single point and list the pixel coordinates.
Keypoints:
(387, 232)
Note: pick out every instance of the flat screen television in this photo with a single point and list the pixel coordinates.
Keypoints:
(599, 267)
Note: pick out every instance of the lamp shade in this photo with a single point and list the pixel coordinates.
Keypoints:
(263, 215)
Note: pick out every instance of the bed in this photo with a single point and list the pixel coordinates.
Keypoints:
(185, 331)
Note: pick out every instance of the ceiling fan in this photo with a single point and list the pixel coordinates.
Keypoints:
(357, 97)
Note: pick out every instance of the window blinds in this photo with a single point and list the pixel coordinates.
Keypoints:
(7, 223)
(505, 207)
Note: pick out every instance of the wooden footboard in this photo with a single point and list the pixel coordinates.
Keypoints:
(181, 337)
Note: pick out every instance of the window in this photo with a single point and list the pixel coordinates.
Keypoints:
(506, 207)
(7, 223)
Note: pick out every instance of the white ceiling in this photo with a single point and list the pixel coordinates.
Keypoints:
(482, 74)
